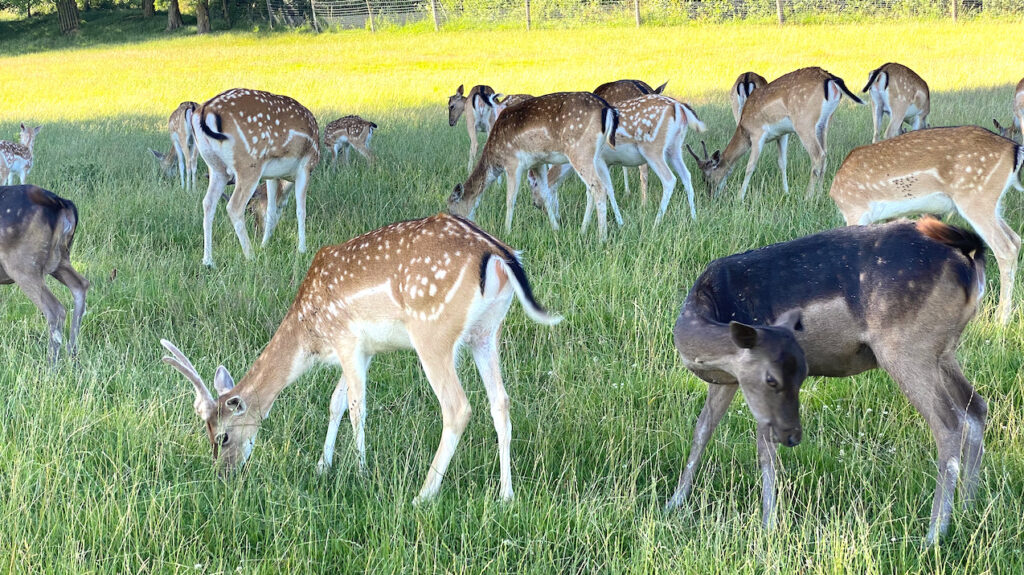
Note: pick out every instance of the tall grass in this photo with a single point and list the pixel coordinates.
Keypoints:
(104, 467)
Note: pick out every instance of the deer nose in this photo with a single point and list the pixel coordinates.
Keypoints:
(793, 438)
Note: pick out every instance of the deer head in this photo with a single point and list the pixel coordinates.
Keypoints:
(28, 135)
(166, 162)
(1004, 131)
(456, 105)
(713, 178)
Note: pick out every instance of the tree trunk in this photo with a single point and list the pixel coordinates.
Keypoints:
(86, 6)
(173, 15)
(202, 16)
(147, 8)
(227, 12)
(67, 15)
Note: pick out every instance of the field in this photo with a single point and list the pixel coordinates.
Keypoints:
(105, 468)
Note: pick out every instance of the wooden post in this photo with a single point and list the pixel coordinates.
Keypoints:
(527, 14)
(778, 8)
(636, 11)
(369, 13)
(954, 9)
(433, 10)
(312, 8)
(270, 16)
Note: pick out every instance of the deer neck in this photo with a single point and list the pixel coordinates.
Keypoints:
(738, 145)
(285, 358)
(482, 174)
(704, 343)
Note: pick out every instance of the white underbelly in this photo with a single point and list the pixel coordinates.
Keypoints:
(624, 154)
(937, 203)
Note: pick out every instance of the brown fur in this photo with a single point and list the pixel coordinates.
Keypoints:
(347, 133)
(906, 91)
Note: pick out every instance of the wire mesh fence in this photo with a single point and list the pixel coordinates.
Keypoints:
(374, 14)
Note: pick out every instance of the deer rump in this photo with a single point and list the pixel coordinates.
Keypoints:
(22, 210)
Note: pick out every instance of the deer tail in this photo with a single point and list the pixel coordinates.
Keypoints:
(610, 121)
(842, 86)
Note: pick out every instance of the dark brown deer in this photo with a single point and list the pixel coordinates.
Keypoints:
(37, 229)
(893, 296)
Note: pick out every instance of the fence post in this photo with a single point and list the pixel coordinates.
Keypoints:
(954, 9)
(636, 11)
(433, 10)
(778, 8)
(312, 8)
(369, 14)
(527, 14)
(270, 16)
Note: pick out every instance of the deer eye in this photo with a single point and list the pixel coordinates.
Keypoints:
(770, 380)
(221, 439)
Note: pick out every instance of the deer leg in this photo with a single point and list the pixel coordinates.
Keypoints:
(877, 115)
(339, 403)
(717, 403)
(817, 154)
(768, 460)
(625, 179)
(920, 120)
(597, 190)
(193, 165)
(783, 143)
(899, 113)
(354, 365)
(643, 185)
(1005, 246)
(488, 364)
(668, 181)
(538, 178)
(78, 285)
(272, 215)
(301, 185)
(180, 156)
(972, 442)
(605, 178)
(364, 151)
(755, 154)
(347, 150)
(218, 181)
(471, 128)
(245, 186)
(34, 285)
(512, 191)
(455, 412)
(675, 158)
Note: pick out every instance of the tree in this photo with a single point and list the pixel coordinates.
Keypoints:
(202, 16)
(173, 15)
(67, 15)
(147, 8)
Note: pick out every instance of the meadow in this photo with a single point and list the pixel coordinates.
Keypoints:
(105, 468)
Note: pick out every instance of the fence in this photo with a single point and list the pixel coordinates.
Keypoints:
(567, 13)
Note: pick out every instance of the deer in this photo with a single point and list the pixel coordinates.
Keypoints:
(801, 102)
(37, 230)
(744, 85)
(434, 285)
(183, 147)
(248, 136)
(500, 101)
(619, 92)
(650, 133)
(965, 169)
(348, 133)
(571, 127)
(898, 92)
(1014, 127)
(897, 298)
(479, 117)
(16, 158)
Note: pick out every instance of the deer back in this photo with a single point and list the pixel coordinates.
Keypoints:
(351, 128)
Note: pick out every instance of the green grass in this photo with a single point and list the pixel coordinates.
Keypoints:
(104, 467)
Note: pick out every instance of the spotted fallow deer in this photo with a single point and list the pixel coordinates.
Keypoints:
(1015, 127)
(963, 169)
(742, 88)
(895, 296)
(898, 92)
(37, 229)
(16, 158)
(183, 146)
(435, 285)
(347, 133)
(650, 133)
(801, 102)
(251, 135)
(500, 102)
(480, 114)
(617, 93)
(572, 127)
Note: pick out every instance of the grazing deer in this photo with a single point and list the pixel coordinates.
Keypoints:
(500, 101)
(184, 152)
(17, 158)
(651, 133)
(896, 296)
(801, 102)
(434, 285)
(897, 91)
(258, 203)
(571, 127)
(965, 169)
(617, 93)
(479, 118)
(1015, 127)
(347, 133)
(251, 135)
(37, 229)
(744, 85)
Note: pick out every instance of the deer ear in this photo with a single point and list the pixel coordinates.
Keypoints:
(459, 90)
(456, 193)
(792, 320)
(37, 129)
(743, 335)
(236, 404)
(23, 128)
(716, 157)
(222, 381)
(660, 88)
(995, 122)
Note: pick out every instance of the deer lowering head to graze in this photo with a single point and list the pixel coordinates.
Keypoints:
(963, 169)
(1014, 128)
(435, 285)
(37, 229)
(347, 133)
(480, 114)
(742, 88)
(184, 152)
(572, 127)
(650, 133)
(16, 158)
(895, 296)
(500, 102)
(617, 93)
(800, 102)
(248, 136)
(898, 92)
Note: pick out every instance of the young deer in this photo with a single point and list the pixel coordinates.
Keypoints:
(964, 169)
(650, 133)
(1017, 121)
(37, 229)
(897, 91)
(434, 285)
(250, 135)
(479, 118)
(556, 128)
(801, 102)
(184, 152)
(898, 297)
(617, 93)
(17, 158)
(347, 133)
(742, 88)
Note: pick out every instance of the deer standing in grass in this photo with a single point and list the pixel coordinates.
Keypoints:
(801, 102)
(348, 133)
(571, 127)
(480, 114)
(617, 93)
(16, 158)
(964, 169)
(37, 229)
(895, 296)
(183, 152)
(650, 133)
(249, 135)
(898, 92)
(435, 285)
(1015, 126)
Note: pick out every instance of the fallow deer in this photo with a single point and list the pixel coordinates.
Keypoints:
(898, 92)
(571, 127)
(37, 229)
(801, 102)
(347, 133)
(744, 85)
(617, 93)
(965, 169)
(650, 133)
(895, 296)
(17, 157)
(480, 114)
(1016, 123)
(250, 135)
(435, 285)
(500, 101)
(183, 146)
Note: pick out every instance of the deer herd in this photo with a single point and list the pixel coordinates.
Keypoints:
(895, 296)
